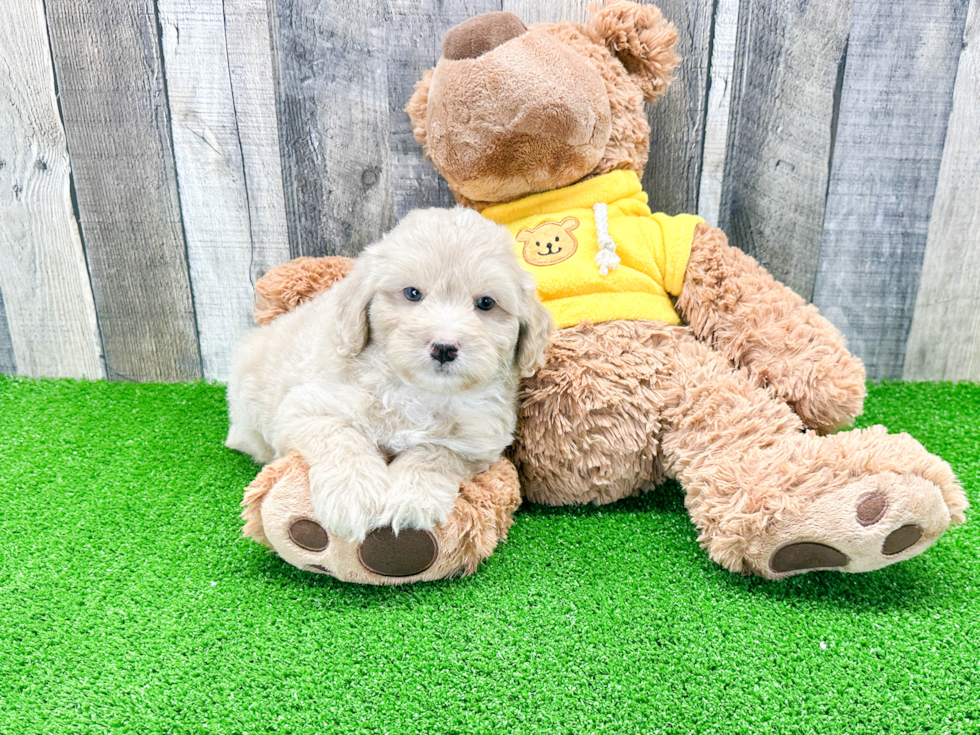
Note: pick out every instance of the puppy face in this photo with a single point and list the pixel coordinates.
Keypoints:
(445, 302)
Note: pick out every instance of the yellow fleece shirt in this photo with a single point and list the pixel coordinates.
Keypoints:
(597, 252)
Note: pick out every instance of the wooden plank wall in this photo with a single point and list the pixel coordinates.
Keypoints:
(895, 101)
(948, 300)
(787, 61)
(158, 156)
(8, 364)
(50, 316)
(112, 89)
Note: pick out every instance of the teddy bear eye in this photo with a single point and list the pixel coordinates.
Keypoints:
(485, 303)
(412, 293)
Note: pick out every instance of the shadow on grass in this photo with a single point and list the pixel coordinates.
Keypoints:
(906, 586)
(666, 498)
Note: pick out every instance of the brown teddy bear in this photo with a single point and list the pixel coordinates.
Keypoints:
(678, 356)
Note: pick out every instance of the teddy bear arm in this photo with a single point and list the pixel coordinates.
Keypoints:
(287, 286)
(734, 305)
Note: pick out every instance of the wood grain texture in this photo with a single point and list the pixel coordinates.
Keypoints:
(944, 341)
(721, 79)
(253, 94)
(547, 11)
(673, 175)
(894, 107)
(415, 32)
(8, 365)
(112, 90)
(50, 312)
(787, 59)
(214, 197)
(333, 110)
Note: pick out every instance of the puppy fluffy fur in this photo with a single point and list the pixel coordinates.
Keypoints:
(351, 379)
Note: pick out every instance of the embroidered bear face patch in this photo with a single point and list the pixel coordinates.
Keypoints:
(550, 242)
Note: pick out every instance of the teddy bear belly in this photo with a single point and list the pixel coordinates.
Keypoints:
(592, 419)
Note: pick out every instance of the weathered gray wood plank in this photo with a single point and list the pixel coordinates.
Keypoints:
(214, 197)
(415, 32)
(254, 97)
(677, 121)
(787, 60)
(333, 109)
(944, 341)
(43, 276)
(111, 85)
(721, 75)
(547, 11)
(8, 366)
(895, 103)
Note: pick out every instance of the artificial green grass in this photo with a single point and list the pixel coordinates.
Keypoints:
(129, 602)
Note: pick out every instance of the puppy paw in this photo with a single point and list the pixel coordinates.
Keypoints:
(418, 500)
(350, 505)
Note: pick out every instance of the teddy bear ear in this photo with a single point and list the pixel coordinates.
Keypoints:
(642, 39)
(416, 109)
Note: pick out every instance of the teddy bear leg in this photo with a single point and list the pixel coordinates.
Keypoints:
(279, 514)
(772, 499)
(761, 326)
(589, 420)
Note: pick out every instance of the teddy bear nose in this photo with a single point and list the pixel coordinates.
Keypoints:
(444, 352)
(476, 36)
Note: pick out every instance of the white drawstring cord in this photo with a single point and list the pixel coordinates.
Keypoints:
(606, 258)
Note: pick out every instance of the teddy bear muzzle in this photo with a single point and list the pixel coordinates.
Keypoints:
(474, 37)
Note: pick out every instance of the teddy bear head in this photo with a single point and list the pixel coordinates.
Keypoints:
(511, 110)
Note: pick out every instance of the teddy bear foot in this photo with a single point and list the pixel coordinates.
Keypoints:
(867, 525)
(278, 514)
(384, 553)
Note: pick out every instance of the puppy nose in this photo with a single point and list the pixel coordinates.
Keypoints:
(474, 37)
(444, 351)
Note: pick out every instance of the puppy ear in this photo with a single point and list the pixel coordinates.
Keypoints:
(416, 109)
(354, 294)
(642, 39)
(534, 336)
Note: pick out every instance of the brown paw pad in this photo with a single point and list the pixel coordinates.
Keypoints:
(805, 555)
(901, 538)
(410, 552)
(871, 509)
(308, 534)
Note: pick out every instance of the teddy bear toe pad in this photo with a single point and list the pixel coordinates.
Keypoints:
(901, 539)
(806, 556)
(409, 552)
(308, 534)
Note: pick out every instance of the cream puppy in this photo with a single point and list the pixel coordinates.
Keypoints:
(400, 382)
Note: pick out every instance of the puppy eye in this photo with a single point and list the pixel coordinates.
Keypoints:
(485, 303)
(412, 293)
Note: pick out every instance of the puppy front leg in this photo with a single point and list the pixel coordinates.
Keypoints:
(348, 476)
(425, 481)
